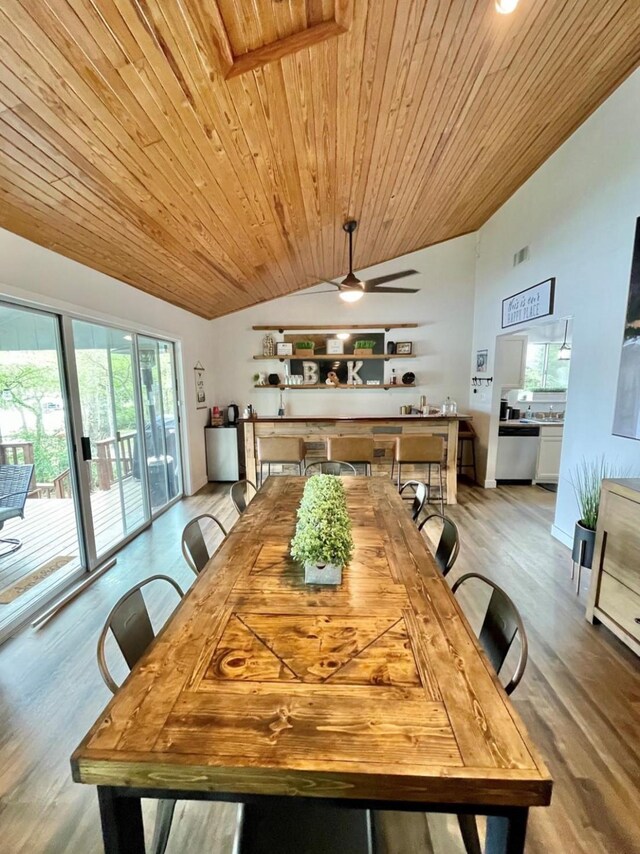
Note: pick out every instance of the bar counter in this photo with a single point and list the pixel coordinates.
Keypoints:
(315, 430)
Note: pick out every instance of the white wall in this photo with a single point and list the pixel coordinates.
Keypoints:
(443, 308)
(30, 272)
(578, 215)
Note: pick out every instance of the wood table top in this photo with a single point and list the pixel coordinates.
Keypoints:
(375, 689)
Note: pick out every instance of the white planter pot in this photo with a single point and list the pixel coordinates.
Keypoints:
(322, 573)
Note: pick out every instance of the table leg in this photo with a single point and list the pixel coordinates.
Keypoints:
(452, 462)
(506, 834)
(121, 817)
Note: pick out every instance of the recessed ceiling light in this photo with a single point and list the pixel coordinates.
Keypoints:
(343, 336)
(506, 7)
(351, 295)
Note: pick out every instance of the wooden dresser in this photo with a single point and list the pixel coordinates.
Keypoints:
(614, 596)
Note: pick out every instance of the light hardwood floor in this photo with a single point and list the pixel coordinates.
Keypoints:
(580, 697)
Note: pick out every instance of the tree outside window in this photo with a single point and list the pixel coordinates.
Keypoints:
(544, 371)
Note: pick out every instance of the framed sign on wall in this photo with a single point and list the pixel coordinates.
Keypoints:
(530, 304)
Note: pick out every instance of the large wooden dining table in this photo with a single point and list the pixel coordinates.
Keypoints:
(372, 694)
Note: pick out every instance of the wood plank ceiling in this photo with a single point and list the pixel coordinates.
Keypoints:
(207, 152)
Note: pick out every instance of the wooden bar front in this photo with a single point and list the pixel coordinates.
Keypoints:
(383, 430)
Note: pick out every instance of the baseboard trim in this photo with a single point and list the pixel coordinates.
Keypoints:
(559, 534)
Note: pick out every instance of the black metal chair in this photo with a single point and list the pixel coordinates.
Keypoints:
(194, 547)
(239, 494)
(448, 546)
(502, 622)
(336, 467)
(14, 488)
(131, 627)
(419, 498)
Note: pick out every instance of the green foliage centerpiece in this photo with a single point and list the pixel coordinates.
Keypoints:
(323, 541)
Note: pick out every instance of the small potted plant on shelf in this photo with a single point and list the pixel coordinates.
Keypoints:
(323, 541)
(363, 348)
(304, 349)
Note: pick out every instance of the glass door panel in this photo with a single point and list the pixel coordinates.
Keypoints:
(40, 548)
(107, 384)
(158, 385)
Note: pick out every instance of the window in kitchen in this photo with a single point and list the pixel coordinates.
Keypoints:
(544, 371)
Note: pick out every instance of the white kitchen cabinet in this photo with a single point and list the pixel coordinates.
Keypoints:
(511, 361)
(549, 451)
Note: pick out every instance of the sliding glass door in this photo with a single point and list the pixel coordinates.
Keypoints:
(41, 550)
(111, 443)
(160, 414)
(90, 413)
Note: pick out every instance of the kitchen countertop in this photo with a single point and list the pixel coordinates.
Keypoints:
(299, 418)
(531, 423)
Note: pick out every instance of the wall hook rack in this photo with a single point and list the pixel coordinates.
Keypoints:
(479, 381)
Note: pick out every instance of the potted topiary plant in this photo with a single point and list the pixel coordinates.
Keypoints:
(304, 349)
(323, 541)
(363, 348)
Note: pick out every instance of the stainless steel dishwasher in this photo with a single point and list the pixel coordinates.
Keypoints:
(517, 452)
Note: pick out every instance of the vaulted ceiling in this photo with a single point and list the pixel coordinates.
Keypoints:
(208, 151)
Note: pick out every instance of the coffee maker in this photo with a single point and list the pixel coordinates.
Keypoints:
(233, 414)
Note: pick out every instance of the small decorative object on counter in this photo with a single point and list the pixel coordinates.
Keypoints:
(274, 379)
(394, 378)
(363, 348)
(404, 348)
(217, 419)
(268, 346)
(232, 414)
(449, 407)
(335, 347)
(323, 541)
(409, 378)
(304, 349)
(391, 348)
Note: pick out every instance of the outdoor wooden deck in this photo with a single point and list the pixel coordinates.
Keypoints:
(48, 531)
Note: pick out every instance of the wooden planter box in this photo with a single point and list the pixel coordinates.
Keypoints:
(363, 351)
(304, 353)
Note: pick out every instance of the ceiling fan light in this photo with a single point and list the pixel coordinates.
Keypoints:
(351, 295)
(506, 7)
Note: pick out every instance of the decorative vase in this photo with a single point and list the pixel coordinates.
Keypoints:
(391, 348)
(584, 540)
(322, 573)
(268, 346)
(274, 379)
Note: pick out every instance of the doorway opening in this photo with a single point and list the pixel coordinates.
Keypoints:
(532, 376)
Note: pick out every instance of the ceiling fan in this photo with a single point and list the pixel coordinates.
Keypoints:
(351, 288)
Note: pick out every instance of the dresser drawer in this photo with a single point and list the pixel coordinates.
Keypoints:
(620, 603)
(621, 543)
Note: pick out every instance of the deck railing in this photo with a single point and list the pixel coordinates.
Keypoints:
(105, 463)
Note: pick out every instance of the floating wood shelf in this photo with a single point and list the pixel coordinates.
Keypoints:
(351, 387)
(336, 357)
(335, 328)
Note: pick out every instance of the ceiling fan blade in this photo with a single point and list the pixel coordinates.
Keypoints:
(312, 294)
(327, 281)
(392, 290)
(391, 277)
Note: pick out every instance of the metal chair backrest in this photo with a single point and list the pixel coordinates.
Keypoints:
(194, 547)
(419, 498)
(449, 544)
(130, 625)
(336, 467)
(501, 624)
(14, 486)
(238, 494)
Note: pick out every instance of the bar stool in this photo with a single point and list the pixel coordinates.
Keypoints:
(351, 449)
(422, 450)
(279, 450)
(466, 433)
